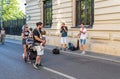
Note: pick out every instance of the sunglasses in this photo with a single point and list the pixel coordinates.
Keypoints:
(26, 27)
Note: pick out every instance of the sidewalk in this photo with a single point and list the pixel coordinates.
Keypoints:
(88, 54)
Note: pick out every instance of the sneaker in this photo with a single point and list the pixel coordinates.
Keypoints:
(64, 49)
(60, 48)
(83, 53)
(36, 66)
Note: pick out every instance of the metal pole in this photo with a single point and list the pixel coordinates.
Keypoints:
(85, 12)
(1, 13)
(80, 10)
(90, 12)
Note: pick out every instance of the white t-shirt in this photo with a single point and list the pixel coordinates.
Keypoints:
(2, 32)
(82, 35)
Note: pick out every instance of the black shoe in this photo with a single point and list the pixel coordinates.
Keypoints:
(36, 66)
(40, 65)
(64, 49)
(60, 48)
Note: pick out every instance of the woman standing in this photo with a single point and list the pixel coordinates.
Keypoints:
(2, 36)
(25, 35)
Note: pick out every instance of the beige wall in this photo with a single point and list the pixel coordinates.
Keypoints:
(107, 15)
(104, 37)
(62, 12)
(33, 10)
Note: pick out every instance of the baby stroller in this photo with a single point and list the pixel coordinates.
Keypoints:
(31, 51)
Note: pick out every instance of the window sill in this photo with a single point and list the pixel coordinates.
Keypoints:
(87, 26)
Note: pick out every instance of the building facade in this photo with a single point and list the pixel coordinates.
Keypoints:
(101, 17)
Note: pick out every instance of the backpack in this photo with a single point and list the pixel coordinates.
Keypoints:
(71, 46)
(56, 51)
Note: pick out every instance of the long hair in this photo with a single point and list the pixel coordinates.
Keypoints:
(24, 26)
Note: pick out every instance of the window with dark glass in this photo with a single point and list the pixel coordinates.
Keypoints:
(85, 12)
(47, 13)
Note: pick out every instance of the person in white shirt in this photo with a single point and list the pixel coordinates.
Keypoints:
(83, 36)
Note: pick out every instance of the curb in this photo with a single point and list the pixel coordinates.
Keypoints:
(96, 57)
(91, 56)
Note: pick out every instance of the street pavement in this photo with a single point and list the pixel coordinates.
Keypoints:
(88, 54)
(62, 66)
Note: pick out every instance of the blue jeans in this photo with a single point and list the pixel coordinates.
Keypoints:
(82, 41)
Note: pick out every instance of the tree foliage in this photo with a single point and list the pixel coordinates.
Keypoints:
(11, 11)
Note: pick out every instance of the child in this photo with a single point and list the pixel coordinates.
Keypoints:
(43, 33)
(31, 32)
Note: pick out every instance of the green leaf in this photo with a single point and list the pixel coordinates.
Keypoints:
(10, 11)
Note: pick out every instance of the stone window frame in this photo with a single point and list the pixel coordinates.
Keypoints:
(78, 20)
(47, 8)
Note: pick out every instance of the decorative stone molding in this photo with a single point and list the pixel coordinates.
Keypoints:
(99, 36)
(115, 36)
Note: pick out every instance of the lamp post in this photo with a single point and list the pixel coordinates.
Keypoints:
(85, 12)
(7, 2)
(1, 12)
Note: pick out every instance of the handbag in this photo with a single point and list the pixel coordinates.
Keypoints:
(56, 51)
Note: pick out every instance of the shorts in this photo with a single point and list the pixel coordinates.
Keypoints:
(63, 40)
(24, 41)
(82, 41)
(39, 50)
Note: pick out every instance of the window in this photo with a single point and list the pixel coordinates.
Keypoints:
(47, 13)
(85, 12)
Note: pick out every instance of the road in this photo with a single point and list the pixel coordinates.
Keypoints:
(63, 66)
